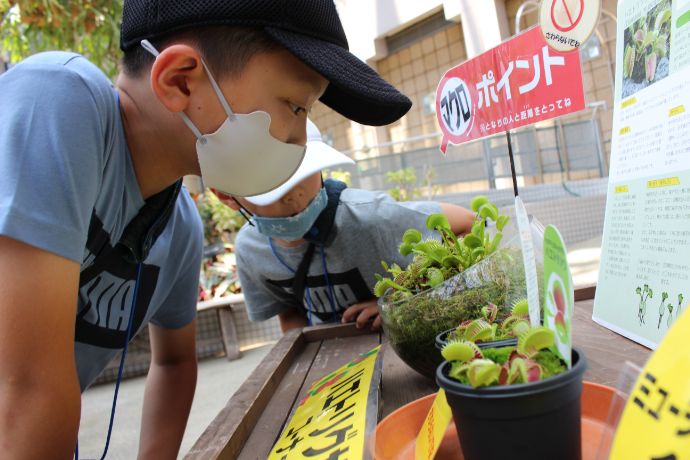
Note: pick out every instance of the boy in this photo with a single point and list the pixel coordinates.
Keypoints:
(97, 239)
(311, 249)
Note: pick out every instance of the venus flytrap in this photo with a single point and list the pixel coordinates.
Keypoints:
(435, 261)
(530, 361)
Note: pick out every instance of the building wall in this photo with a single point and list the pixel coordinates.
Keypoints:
(417, 68)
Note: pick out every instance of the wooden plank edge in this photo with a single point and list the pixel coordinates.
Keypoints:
(332, 331)
(229, 430)
(585, 292)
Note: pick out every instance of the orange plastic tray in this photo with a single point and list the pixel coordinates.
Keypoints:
(396, 434)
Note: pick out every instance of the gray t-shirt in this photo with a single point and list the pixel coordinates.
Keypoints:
(68, 186)
(368, 228)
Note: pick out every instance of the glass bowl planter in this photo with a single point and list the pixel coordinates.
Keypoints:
(412, 322)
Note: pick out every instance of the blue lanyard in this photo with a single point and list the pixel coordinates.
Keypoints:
(331, 294)
(119, 371)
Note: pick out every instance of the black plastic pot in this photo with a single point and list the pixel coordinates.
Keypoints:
(442, 340)
(539, 420)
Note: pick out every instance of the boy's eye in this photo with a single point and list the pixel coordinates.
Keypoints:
(296, 109)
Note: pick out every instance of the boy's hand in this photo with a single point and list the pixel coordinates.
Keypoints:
(362, 313)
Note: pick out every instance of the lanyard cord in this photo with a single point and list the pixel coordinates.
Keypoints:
(119, 371)
(330, 295)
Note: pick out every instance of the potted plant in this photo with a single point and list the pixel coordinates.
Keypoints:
(495, 393)
(489, 331)
(449, 281)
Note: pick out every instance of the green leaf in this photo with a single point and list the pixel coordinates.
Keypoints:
(412, 235)
(478, 229)
(483, 372)
(472, 241)
(489, 211)
(434, 277)
(478, 252)
(382, 286)
(520, 308)
(462, 351)
(520, 327)
(405, 249)
(538, 338)
(496, 241)
(477, 202)
(662, 18)
(502, 222)
(451, 261)
(436, 221)
(478, 331)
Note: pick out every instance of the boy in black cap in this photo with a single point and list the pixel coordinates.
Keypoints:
(97, 236)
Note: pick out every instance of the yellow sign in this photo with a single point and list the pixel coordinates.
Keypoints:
(628, 102)
(330, 421)
(656, 420)
(622, 189)
(625, 130)
(430, 436)
(666, 182)
(676, 111)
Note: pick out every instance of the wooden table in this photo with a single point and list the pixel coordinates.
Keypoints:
(253, 418)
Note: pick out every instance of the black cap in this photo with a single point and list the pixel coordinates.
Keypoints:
(310, 29)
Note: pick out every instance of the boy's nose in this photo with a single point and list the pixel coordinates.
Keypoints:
(299, 134)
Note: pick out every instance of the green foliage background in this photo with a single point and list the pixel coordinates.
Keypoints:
(88, 27)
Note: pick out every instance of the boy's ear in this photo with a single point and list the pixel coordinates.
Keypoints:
(175, 73)
(226, 199)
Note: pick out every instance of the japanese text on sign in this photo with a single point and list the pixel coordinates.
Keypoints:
(519, 82)
(330, 422)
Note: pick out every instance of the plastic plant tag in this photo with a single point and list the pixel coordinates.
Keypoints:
(435, 425)
(336, 414)
(528, 259)
(656, 420)
(559, 296)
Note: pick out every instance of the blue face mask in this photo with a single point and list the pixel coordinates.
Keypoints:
(294, 227)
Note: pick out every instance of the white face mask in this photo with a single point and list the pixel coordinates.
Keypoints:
(241, 158)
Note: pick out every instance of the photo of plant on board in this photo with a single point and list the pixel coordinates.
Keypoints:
(647, 49)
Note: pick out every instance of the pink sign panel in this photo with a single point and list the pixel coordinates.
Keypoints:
(520, 82)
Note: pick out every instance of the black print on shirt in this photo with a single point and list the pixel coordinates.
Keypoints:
(348, 288)
(106, 289)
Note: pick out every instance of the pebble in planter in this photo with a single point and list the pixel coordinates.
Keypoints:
(523, 396)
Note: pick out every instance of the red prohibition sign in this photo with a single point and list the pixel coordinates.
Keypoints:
(573, 23)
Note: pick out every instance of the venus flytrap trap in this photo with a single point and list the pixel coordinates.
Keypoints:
(490, 327)
(530, 361)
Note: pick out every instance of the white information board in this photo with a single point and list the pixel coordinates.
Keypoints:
(644, 278)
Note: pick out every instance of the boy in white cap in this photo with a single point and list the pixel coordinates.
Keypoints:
(311, 248)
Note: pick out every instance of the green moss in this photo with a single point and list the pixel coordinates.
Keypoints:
(498, 355)
(550, 363)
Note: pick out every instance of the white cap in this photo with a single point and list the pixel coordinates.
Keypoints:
(319, 156)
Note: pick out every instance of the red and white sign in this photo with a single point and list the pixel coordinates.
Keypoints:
(520, 82)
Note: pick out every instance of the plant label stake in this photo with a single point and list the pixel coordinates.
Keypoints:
(435, 425)
(559, 296)
(528, 258)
